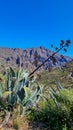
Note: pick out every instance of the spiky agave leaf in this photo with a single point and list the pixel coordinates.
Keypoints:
(33, 98)
(21, 80)
(54, 99)
(59, 86)
(27, 92)
(12, 72)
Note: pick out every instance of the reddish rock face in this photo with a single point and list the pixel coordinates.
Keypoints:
(29, 58)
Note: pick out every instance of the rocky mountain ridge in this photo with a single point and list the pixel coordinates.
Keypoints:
(30, 58)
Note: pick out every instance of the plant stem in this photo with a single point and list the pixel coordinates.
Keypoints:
(46, 60)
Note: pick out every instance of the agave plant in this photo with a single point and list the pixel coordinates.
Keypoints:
(55, 95)
(18, 91)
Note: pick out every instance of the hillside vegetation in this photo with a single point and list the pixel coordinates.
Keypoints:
(42, 104)
(62, 74)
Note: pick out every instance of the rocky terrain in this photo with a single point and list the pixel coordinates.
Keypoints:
(30, 58)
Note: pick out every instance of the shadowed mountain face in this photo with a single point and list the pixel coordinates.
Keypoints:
(30, 58)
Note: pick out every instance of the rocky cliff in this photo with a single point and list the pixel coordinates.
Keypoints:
(30, 58)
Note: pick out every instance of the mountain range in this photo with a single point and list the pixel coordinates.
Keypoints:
(30, 58)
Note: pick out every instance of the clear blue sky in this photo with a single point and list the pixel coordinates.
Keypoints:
(31, 23)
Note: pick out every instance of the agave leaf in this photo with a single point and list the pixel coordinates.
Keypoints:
(33, 97)
(53, 92)
(12, 72)
(24, 75)
(35, 93)
(6, 94)
(27, 92)
(54, 99)
(18, 86)
(21, 94)
(21, 80)
(59, 86)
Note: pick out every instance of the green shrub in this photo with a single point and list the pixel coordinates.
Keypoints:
(55, 118)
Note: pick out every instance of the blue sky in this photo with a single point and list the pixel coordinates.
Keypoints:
(32, 23)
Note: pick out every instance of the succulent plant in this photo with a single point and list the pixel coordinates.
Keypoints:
(19, 90)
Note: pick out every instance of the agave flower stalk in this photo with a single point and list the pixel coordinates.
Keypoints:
(62, 45)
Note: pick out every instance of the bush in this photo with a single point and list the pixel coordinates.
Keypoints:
(55, 118)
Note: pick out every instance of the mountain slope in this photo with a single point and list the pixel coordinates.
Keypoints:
(30, 58)
(64, 75)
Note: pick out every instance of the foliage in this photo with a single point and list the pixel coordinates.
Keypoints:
(58, 74)
(56, 110)
(18, 91)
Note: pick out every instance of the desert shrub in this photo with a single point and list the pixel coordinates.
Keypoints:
(56, 118)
